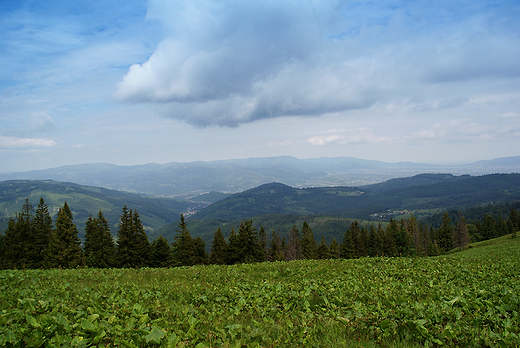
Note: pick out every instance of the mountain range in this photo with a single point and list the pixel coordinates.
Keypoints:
(191, 179)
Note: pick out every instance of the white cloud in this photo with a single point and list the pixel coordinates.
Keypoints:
(343, 137)
(226, 63)
(27, 143)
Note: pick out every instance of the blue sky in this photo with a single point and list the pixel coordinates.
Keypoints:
(132, 82)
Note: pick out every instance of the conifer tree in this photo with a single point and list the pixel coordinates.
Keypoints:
(371, 241)
(141, 243)
(293, 251)
(348, 247)
(161, 253)
(218, 249)
(308, 243)
(262, 242)
(65, 247)
(379, 241)
(233, 248)
(12, 244)
(460, 234)
(199, 256)
(2, 252)
(389, 245)
(361, 242)
(515, 220)
(334, 249)
(19, 239)
(413, 235)
(182, 247)
(275, 249)
(42, 229)
(488, 229)
(323, 252)
(249, 250)
(99, 245)
(124, 249)
(501, 227)
(445, 234)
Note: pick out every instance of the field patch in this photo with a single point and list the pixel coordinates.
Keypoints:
(469, 298)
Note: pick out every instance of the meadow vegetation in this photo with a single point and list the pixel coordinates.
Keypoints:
(462, 299)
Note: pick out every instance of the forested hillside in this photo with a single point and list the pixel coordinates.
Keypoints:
(33, 240)
(457, 192)
(87, 200)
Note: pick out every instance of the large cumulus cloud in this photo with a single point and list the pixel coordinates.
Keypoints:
(228, 62)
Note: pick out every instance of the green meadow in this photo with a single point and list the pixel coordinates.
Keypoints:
(463, 299)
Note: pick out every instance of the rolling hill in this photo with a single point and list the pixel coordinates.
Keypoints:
(450, 192)
(330, 210)
(87, 200)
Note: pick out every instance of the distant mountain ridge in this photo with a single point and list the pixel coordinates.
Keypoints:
(447, 193)
(230, 176)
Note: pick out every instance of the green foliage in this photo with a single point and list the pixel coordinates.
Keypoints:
(99, 245)
(64, 247)
(218, 249)
(445, 234)
(161, 253)
(133, 248)
(465, 299)
(308, 243)
(86, 201)
(277, 198)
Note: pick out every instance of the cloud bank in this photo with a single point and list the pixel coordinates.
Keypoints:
(231, 62)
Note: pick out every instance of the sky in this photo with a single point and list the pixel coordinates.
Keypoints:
(132, 82)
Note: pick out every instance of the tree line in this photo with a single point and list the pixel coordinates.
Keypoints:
(33, 241)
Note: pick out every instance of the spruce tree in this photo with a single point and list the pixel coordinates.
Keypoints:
(65, 247)
(2, 252)
(24, 231)
(445, 234)
(308, 243)
(293, 251)
(12, 244)
(42, 229)
(348, 248)
(99, 245)
(501, 227)
(323, 252)
(218, 249)
(141, 243)
(371, 243)
(334, 249)
(250, 250)
(233, 248)
(161, 253)
(19, 241)
(262, 242)
(182, 246)
(413, 235)
(460, 234)
(133, 248)
(275, 249)
(124, 249)
(361, 242)
(199, 256)
(515, 220)
(488, 228)
(389, 245)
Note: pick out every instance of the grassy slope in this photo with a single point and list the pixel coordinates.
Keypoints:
(469, 298)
